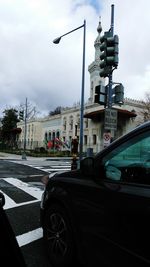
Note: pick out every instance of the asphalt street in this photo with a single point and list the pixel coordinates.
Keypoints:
(20, 181)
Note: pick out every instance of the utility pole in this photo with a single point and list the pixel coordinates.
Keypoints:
(25, 132)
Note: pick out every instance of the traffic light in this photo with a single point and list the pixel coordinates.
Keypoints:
(100, 94)
(112, 51)
(118, 92)
(21, 115)
(109, 55)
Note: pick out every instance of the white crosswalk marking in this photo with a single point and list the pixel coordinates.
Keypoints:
(34, 191)
(31, 190)
(29, 237)
(9, 203)
(49, 167)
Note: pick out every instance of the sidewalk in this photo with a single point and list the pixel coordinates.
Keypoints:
(4, 155)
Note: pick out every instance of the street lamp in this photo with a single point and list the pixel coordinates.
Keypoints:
(56, 41)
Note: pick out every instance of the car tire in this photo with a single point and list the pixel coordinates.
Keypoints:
(58, 236)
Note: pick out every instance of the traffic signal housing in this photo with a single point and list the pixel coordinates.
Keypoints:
(109, 53)
(100, 94)
(21, 115)
(118, 92)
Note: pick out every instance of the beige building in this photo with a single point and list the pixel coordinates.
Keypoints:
(66, 126)
(34, 137)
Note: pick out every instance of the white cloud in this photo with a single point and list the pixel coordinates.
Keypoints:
(50, 75)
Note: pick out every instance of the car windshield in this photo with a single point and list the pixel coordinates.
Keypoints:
(131, 151)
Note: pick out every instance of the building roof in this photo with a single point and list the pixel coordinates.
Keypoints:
(99, 114)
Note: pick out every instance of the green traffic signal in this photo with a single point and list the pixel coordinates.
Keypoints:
(109, 53)
(21, 115)
(105, 71)
(100, 94)
(112, 51)
(119, 94)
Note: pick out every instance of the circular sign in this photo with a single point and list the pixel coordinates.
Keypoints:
(107, 139)
(107, 136)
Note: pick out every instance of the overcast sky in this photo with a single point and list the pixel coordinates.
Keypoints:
(49, 75)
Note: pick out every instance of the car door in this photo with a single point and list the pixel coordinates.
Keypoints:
(113, 204)
(127, 177)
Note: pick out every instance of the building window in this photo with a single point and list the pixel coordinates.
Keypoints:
(71, 122)
(64, 124)
(92, 85)
(53, 135)
(49, 136)
(86, 123)
(94, 139)
(85, 139)
(57, 134)
(45, 138)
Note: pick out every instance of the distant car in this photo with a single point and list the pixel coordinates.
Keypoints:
(100, 213)
(10, 252)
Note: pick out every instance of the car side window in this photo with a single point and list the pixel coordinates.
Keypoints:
(130, 162)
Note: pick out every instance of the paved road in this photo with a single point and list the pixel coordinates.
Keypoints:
(20, 181)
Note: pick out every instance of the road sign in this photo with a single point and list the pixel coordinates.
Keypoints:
(106, 139)
(110, 119)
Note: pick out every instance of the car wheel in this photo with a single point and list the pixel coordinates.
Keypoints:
(58, 236)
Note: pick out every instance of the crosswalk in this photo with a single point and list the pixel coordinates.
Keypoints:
(19, 194)
(28, 192)
(54, 166)
(25, 194)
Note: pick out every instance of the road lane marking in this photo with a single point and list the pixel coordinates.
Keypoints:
(31, 190)
(29, 237)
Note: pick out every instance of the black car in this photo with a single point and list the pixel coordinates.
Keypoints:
(100, 213)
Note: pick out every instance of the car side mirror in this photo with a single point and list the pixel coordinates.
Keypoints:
(2, 199)
(86, 166)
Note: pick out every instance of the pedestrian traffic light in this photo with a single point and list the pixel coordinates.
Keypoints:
(100, 94)
(109, 53)
(118, 92)
(21, 115)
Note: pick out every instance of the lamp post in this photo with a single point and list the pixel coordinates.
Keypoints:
(56, 41)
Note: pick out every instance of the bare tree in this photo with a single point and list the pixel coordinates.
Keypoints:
(145, 113)
(56, 111)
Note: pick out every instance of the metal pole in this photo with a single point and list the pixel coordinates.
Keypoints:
(82, 96)
(25, 132)
(56, 41)
(110, 75)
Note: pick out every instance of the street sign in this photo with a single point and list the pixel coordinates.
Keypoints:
(110, 119)
(106, 139)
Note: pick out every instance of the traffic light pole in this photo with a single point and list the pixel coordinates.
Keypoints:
(110, 83)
